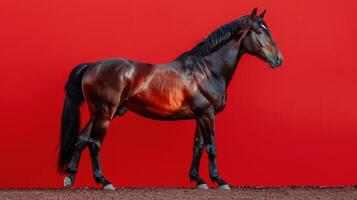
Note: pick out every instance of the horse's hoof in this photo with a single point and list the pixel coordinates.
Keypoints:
(109, 187)
(224, 187)
(202, 186)
(67, 182)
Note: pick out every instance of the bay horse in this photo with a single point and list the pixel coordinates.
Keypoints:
(193, 86)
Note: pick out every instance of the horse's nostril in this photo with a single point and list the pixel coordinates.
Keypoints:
(279, 59)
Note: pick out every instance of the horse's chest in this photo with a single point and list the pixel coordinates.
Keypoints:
(215, 94)
(221, 103)
(217, 101)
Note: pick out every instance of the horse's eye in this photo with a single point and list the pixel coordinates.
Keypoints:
(259, 32)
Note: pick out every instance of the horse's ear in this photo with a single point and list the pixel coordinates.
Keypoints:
(253, 14)
(262, 14)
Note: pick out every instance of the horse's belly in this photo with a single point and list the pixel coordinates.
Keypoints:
(170, 105)
(163, 97)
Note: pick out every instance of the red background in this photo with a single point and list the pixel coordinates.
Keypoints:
(291, 126)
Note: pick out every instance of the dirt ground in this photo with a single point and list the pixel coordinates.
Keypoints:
(305, 193)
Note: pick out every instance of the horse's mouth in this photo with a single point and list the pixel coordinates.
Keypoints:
(273, 64)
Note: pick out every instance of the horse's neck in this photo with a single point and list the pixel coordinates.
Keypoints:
(223, 62)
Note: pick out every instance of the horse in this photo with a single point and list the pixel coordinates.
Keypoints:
(191, 87)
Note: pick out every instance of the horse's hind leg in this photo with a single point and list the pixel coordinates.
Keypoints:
(99, 129)
(73, 164)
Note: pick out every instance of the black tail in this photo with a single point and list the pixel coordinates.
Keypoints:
(70, 124)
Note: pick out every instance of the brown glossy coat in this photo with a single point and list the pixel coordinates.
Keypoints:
(193, 86)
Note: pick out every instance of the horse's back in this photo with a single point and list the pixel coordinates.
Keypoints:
(109, 82)
(111, 67)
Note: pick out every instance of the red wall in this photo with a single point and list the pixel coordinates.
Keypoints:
(291, 126)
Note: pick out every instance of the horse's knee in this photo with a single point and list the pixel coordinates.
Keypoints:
(198, 149)
(211, 150)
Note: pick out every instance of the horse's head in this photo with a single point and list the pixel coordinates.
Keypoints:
(259, 42)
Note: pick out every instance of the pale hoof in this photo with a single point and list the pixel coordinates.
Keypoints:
(109, 187)
(67, 182)
(224, 187)
(202, 186)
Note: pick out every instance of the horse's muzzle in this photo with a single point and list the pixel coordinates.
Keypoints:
(276, 61)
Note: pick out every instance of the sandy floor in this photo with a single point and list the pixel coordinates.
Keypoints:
(182, 193)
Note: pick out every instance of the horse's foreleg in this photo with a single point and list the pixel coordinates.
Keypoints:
(198, 146)
(94, 144)
(211, 151)
(207, 125)
(73, 164)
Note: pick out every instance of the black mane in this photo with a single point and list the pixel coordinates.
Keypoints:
(215, 40)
